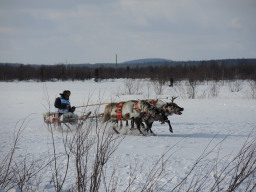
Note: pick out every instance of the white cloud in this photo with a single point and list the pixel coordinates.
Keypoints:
(236, 23)
(6, 30)
(94, 31)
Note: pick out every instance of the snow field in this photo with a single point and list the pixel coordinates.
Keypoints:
(224, 121)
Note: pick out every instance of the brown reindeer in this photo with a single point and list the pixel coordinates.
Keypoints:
(166, 109)
(162, 111)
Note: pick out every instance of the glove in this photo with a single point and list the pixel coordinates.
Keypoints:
(73, 109)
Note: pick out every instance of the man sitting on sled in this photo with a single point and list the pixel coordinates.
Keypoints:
(66, 112)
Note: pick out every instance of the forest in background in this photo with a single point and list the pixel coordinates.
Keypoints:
(162, 71)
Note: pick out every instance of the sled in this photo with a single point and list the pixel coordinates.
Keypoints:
(67, 123)
(96, 117)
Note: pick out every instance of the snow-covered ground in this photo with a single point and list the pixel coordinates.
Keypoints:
(205, 121)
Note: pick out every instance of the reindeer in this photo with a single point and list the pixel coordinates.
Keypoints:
(166, 110)
(129, 110)
(163, 110)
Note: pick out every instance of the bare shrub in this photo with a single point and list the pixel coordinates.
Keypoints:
(180, 89)
(91, 154)
(252, 91)
(244, 169)
(191, 91)
(27, 174)
(132, 86)
(89, 147)
(214, 89)
(23, 174)
(6, 173)
(147, 86)
(235, 86)
(87, 150)
(219, 174)
(185, 89)
(58, 169)
(155, 174)
(158, 87)
(129, 88)
(236, 173)
(203, 95)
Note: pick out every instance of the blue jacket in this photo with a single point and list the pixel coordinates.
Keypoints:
(63, 105)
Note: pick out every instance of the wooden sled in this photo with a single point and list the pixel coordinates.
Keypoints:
(67, 123)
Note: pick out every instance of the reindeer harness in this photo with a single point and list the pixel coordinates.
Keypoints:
(153, 102)
(136, 106)
(119, 111)
(166, 108)
(141, 110)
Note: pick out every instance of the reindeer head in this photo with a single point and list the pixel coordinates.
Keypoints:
(173, 108)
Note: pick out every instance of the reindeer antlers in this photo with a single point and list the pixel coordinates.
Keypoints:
(173, 98)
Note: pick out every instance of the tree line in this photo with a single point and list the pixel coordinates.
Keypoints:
(205, 70)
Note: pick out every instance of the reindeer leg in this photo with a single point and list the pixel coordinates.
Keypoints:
(115, 130)
(132, 123)
(170, 127)
(114, 127)
(149, 126)
(151, 129)
(126, 123)
(138, 122)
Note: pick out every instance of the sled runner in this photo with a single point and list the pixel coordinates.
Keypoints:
(64, 122)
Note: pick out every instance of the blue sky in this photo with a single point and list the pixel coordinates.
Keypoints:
(94, 31)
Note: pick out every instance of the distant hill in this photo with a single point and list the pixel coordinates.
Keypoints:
(149, 62)
(166, 62)
(12, 64)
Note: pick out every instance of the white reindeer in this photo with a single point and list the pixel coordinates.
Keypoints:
(130, 110)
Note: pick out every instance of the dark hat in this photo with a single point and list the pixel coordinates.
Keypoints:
(66, 92)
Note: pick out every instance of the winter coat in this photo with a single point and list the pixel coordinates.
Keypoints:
(63, 105)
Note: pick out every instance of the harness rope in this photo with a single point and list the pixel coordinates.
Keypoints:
(104, 103)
